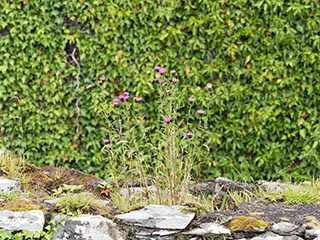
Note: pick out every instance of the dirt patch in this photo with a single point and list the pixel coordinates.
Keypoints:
(44, 180)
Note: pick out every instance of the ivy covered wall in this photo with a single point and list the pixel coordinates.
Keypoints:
(262, 58)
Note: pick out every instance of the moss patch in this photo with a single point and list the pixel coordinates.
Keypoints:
(19, 205)
(245, 223)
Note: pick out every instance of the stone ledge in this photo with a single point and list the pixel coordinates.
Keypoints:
(254, 220)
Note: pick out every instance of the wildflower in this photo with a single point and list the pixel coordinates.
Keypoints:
(162, 71)
(137, 99)
(190, 134)
(167, 119)
(89, 87)
(190, 100)
(209, 86)
(102, 78)
(156, 79)
(106, 141)
(201, 112)
(116, 101)
(173, 72)
(126, 97)
(157, 68)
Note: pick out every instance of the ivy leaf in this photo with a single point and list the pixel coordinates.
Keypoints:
(248, 58)
(303, 133)
(3, 68)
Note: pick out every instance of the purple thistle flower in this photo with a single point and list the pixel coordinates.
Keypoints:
(126, 97)
(201, 112)
(162, 70)
(89, 87)
(209, 86)
(190, 100)
(156, 79)
(190, 134)
(137, 99)
(157, 68)
(102, 78)
(106, 141)
(173, 72)
(121, 97)
(116, 101)
(167, 119)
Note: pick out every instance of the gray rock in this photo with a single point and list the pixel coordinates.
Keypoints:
(23, 220)
(225, 184)
(9, 185)
(313, 233)
(275, 187)
(286, 228)
(158, 216)
(87, 227)
(137, 191)
(313, 228)
(209, 228)
(273, 236)
(202, 188)
(152, 234)
(268, 236)
(292, 237)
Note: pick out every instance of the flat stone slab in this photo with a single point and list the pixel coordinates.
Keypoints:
(9, 185)
(87, 227)
(286, 228)
(275, 187)
(273, 236)
(158, 216)
(22, 220)
(209, 228)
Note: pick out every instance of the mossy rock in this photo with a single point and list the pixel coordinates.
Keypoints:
(245, 223)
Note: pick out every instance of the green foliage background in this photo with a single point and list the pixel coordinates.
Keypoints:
(262, 57)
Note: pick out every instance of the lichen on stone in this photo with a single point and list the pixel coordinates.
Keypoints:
(245, 223)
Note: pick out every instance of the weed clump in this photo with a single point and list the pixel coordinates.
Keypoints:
(166, 150)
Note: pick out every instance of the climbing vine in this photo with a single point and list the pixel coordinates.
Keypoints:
(261, 57)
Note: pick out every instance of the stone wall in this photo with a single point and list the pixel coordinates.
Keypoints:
(171, 222)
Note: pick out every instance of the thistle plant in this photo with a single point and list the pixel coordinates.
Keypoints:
(163, 149)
